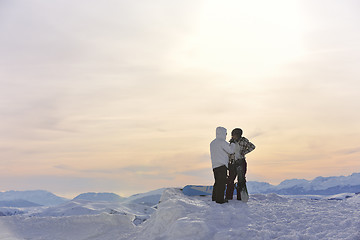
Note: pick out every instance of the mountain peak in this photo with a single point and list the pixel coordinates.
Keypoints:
(318, 186)
(105, 197)
(40, 197)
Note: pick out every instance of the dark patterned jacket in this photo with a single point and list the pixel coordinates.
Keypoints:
(242, 147)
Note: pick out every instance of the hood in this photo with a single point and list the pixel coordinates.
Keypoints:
(221, 133)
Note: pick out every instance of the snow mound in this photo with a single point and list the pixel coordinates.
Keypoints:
(355, 199)
(103, 226)
(341, 196)
(10, 211)
(265, 216)
(173, 218)
(137, 213)
(151, 198)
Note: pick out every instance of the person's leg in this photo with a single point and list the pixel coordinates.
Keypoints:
(241, 168)
(214, 188)
(220, 183)
(230, 182)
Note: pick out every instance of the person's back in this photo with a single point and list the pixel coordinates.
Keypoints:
(219, 151)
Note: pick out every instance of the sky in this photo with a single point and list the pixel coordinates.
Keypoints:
(125, 96)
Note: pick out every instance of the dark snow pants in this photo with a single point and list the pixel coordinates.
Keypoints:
(220, 174)
(230, 185)
(238, 169)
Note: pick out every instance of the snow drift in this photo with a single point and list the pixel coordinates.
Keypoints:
(265, 216)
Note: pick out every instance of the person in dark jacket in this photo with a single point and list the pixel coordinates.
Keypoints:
(241, 146)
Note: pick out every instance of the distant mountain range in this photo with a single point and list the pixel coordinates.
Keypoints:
(317, 186)
(36, 198)
(142, 204)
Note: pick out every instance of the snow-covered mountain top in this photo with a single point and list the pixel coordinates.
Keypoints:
(320, 185)
(40, 197)
(327, 182)
(353, 179)
(292, 183)
(107, 197)
(322, 182)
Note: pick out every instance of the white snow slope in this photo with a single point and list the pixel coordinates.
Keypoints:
(265, 216)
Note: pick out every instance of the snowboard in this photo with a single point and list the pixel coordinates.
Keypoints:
(244, 193)
(197, 190)
(241, 185)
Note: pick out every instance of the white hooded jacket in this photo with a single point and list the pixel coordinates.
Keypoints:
(220, 149)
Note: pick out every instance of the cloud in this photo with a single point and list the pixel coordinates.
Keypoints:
(202, 172)
(104, 64)
(52, 183)
(93, 32)
(159, 168)
(256, 134)
(349, 151)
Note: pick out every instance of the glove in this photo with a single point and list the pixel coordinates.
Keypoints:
(231, 158)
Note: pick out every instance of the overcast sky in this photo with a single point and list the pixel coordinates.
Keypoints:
(125, 96)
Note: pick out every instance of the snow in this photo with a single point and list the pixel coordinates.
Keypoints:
(354, 200)
(103, 226)
(149, 199)
(18, 203)
(265, 216)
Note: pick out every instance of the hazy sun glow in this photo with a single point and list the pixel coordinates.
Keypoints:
(245, 38)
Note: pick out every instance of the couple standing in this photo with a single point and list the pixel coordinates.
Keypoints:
(229, 156)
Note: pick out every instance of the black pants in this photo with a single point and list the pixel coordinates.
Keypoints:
(238, 169)
(220, 183)
(230, 181)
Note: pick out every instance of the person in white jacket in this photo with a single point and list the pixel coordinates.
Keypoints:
(220, 151)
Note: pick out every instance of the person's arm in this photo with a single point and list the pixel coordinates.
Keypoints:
(229, 148)
(249, 147)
